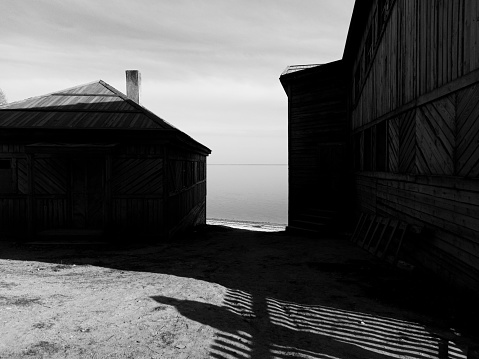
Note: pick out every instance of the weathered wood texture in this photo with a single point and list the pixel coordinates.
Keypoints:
(50, 192)
(447, 207)
(438, 141)
(186, 191)
(317, 146)
(13, 214)
(137, 189)
(420, 78)
(423, 46)
(13, 200)
(126, 194)
(87, 158)
(440, 137)
(467, 132)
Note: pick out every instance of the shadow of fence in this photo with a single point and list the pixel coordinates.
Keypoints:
(262, 327)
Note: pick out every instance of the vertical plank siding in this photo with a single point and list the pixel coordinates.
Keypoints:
(50, 188)
(135, 197)
(137, 188)
(186, 191)
(448, 210)
(13, 206)
(317, 128)
(51, 213)
(13, 215)
(422, 82)
(143, 216)
(424, 45)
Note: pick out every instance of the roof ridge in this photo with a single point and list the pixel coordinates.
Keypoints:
(48, 94)
(72, 88)
(136, 105)
(112, 89)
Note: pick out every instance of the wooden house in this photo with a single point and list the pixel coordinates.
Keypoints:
(90, 160)
(412, 94)
(317, 141)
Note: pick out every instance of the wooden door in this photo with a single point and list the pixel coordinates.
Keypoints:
(87, 193)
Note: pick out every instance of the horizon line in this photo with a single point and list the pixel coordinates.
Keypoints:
(247, 164)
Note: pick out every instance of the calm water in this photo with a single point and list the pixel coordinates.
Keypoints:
(257, 193)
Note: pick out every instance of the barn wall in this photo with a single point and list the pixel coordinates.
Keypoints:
(447, 210)
(317, 144)
(186, 194)
(136, 189)
(51, 203)
(421, 47)
(140, 196)
(13, 196)
(414, 115)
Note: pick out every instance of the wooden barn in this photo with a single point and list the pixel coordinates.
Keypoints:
(412, 94)
(91, 161)
(317, 141)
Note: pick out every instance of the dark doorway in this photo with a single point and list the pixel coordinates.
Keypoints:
(87, 193)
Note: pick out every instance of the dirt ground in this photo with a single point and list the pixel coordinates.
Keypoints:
(222, 293)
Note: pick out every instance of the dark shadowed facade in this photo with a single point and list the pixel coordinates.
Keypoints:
(412, 92)
(91, 160)
(317, 141)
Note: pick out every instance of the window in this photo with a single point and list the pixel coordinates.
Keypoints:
(6, 177)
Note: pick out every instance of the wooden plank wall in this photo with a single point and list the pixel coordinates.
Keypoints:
(139, 200)
(137, 191)
(467, 132)
(13, 206)
(423, 82)
(51, 203)
(317, 133)
(425, 45)
(186, 200)
(447, 208)
(13, 218)
(438, 143)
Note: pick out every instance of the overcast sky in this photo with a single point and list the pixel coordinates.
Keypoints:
(209, 67)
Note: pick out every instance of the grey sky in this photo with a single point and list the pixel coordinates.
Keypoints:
(209, 67)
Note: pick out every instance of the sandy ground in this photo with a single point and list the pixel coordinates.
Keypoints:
(221, 293)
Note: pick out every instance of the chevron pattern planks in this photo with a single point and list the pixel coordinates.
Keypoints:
(137, 176)
(51, 176)
(393, 145)
(467, 152)
(22, 176)
(435, 137)
(407, 142)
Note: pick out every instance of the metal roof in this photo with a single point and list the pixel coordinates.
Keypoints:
(92, 106)
(95, 105)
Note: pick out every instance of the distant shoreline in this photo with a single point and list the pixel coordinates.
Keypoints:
(248, 225)
(247, 164)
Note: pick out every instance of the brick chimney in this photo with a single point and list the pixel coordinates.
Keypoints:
(133, 84)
